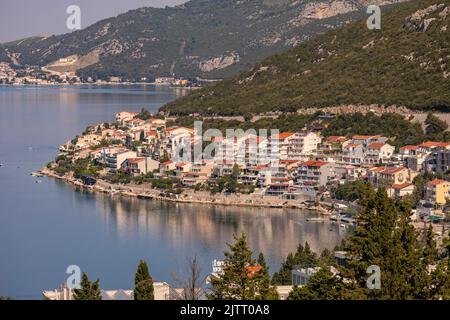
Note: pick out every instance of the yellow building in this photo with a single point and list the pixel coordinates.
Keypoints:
(437, 191)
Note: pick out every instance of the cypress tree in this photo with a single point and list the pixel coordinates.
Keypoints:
(143, 283)
(88, 290)
(430, 252)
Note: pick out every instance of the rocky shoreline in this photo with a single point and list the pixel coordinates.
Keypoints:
(141, 192)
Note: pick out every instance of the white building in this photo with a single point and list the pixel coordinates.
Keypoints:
(162, 291)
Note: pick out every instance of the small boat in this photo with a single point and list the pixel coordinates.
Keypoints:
(343, 226)
(38, 181)
(36, 174)
(1, 165)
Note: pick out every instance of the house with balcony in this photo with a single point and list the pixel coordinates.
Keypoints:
(423, 157)
(314, 173)
(167, 166)
(366, 140)
(387, 177)
(333, 146)
(378, 152)
(182, 168)
(279, 145)
(113, 158)
(140, 166)
(353, 154)
(279, 187)
(438, 161)
(437, 191)
(301, 145)
(403, 189)
(199, 173)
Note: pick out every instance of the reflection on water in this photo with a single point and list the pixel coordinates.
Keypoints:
(275, 232)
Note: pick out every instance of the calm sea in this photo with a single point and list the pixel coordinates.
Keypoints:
(45, 225)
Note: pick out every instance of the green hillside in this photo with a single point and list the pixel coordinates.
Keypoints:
(406, 63)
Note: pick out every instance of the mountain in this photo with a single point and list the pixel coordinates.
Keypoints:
(406, 63)
(201, 38)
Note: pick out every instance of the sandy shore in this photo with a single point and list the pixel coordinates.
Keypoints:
(189, 196)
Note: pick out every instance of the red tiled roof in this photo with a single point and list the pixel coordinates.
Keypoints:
(284, 135)
(387, 170)
(401, 186)
(435, 182)
(313, 163)
(167, 162)
(393, 170)
(432, 144)
(332, 139)
(135, 160)
(254, 268)
(288, 161)
(353, 145)
(170, 129)
(410, 147)
(181, 165)
(361, 137)
(376, 145)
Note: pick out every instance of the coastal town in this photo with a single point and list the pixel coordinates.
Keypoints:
(41, 76)
(139, 155)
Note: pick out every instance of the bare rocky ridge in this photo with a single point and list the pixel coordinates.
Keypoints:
(208, 39)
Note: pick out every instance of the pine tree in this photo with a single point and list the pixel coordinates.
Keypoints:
(324, 285)
(284, 275)
(304, 257)
(88, 290)
(143, 283)
(266, 290)
(385, 238)
(327, 257)
(236, 282)
(430, 251)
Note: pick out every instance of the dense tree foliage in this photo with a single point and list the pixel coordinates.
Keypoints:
(351, 190)
(238, 281)
(349, 65)
(401, 131)
(88, 290)
(143, 283)
(410, 264)
(304, 257)
(436, 128)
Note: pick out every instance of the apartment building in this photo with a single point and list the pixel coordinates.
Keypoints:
(301, 145)
(390, 177)
(378, 152)
(437, 191)
(315, 173)
(353, 154)
(366, 140)
(138, 166)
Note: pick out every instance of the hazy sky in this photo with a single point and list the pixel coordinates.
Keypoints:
(24, 18)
